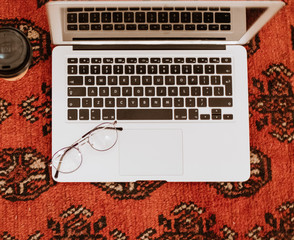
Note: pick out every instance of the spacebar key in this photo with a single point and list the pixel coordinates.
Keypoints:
(144, 114)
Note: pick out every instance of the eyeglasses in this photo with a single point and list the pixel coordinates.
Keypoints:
(101, 138)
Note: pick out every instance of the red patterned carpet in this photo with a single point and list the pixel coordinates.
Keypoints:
(32, 206)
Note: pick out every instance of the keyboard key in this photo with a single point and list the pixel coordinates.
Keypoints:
(151, 17)
(129, 17)
(226, 27)
(72, 27)
(138, 91)
(185, 17)
(118, 69)
(163, 17)
(95, 69)
(207, 91)
(83, 17)
(108, 114)
(198, 69)
(179, 102)
(209, 69)
(201, 102)
(117, 17)
(155, 102)
(155, 60)
(115, 91)
(208, 17)
(101, 80)
(163, 69)
(95, 114)
(190, 60)
(72, 69)
(143, 60)
(167, 102)
(213, 27)
(192, 80)
(180, 114)
(107, 27)
(202, 60)
(158, 80)
(73, 102)
(89, 9)
(84, 114)
(124, 80)
(104, 91)
(72, 60)
(195, 91)
(174, 17)
(152, 69)
(119, 60)
(144, 102)
(201, 27)
(178, 27)
(94, 17)
(175, 69)
(161, 91)
(204, 80)
(127, 91)
(135, 80)
(165, 27)
(106, 17)
(204, 116)
(98, 102)
(106, 69)
(72, 18)
(197, 17)
(218, 91)
(193, 114)
(144, 114)
(76, 91)
(141, 69)
(87, 102)
(119, 27)
(223, 69)
(228, 116)
(169, 80)
(214, 60)
(222, 17)
(131, 27)
(190, 102)
(95, 60)
(216, 116)
(154, 27)
(95, 27)
(184, 91)
(189, 27)
(133, 102)
(150, 91)
(72, 114)
(215, 80)
(92, 91)
(84, 27)
(146, 80)
(109, 102)
(75, 80)
(220, 102)
(181, 80)
(140, 17)
(121, 102)
(226, 60)
(74, 9)
(216, 111)
(172, 91)
(142, 27)
(186, 69)
(112, 80)
(89, 80)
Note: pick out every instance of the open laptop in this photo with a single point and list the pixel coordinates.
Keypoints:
(173, 74)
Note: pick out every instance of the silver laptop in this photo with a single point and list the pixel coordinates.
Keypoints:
(152, 90)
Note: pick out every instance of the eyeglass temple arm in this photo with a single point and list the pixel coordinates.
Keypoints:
(60, 161)
(94, 129)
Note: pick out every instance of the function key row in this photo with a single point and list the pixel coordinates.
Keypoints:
(150, 60)
(87, 9)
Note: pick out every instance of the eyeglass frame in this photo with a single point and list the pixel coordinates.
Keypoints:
(80, 142)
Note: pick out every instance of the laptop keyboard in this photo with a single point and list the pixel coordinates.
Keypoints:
(149, 88)
(149, 19)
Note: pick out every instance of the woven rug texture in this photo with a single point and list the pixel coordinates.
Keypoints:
(33, 206)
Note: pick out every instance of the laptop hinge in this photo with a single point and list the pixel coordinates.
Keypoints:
(151, 47)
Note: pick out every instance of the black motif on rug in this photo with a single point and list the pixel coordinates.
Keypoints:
(253, 45)
(134, 190)
(281, 224)
(4, 113)
(38, 107)
(187, 221)
(274, 102)
(39, 38)
(6, 236)
(260, 175)
(40, 3)
(24, 174)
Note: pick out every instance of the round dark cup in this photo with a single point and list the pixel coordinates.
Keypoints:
(15, 54)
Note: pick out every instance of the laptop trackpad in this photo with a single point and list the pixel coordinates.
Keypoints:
(151, 152)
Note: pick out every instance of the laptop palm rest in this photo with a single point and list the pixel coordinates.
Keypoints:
(151, 152)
